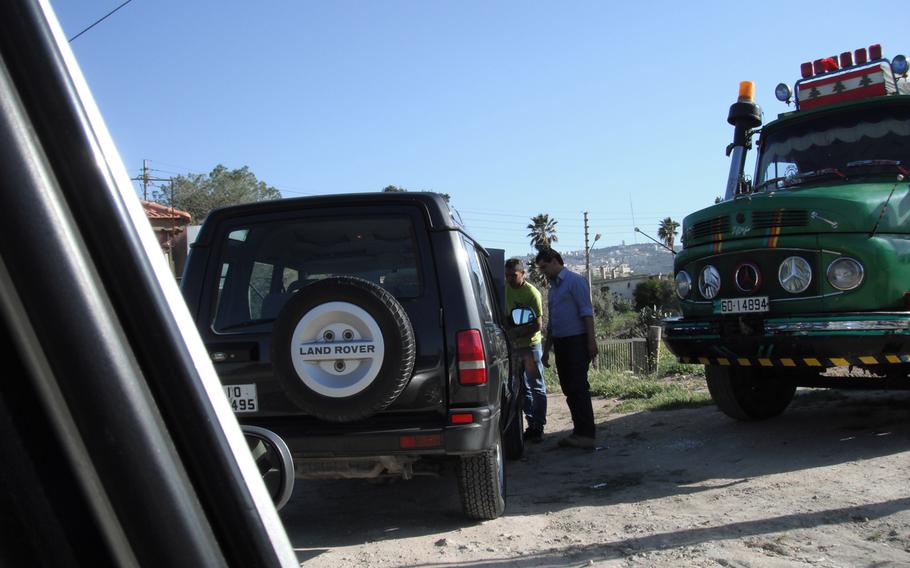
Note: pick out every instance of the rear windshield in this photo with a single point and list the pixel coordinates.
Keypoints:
(262, 265)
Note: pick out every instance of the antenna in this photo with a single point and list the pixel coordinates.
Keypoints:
(637, 230)
(632, 209)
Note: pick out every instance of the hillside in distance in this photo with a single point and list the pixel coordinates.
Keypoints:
(643, 259)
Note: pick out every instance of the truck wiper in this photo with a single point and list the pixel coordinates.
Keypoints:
(880, 164)
(791, 180)
(768, 182)
(803, 177)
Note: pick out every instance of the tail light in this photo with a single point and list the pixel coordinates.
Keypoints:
(472, 363)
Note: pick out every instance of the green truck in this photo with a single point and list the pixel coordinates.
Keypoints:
(805, 267)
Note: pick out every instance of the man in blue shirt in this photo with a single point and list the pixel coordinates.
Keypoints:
(570, 330)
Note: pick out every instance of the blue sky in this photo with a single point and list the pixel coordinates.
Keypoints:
(512, 108)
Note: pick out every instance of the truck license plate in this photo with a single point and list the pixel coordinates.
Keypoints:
(741, 305)
(242, 398)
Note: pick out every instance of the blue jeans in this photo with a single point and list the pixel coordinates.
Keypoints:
(534, 391)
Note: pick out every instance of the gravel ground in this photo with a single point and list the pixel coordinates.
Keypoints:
(826, 484)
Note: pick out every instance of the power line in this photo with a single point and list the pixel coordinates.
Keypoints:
(284, 190)
(99, 20)
(176, 166)
(594, 215)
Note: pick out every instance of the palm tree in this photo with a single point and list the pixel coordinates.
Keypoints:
(543, 231)
(667, 231)
(534, 274)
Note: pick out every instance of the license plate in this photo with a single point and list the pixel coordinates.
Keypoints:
(242, 398)
(751, 305)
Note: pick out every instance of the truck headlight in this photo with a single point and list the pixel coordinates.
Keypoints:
(845, 273)
(709, 282)
(683, 284)
(795, 274)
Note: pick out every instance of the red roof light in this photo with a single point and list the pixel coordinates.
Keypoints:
(875, 51)
(846, 59)
(806, 69)
(860, 56)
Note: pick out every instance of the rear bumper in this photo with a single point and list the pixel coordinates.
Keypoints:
(812, 340)
(309, 440)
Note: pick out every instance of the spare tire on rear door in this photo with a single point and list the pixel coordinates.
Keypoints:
(343, 348)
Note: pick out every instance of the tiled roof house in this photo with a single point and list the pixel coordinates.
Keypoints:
(170, 226)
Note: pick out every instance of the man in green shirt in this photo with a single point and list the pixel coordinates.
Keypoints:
(527, 339)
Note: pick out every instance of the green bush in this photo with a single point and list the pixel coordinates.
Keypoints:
(636, 393)
(668, 365)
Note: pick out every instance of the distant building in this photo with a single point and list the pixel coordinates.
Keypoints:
(624, 287)
(169, 225)
(615, 271)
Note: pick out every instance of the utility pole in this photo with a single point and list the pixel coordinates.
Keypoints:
(145, 178)
(588, 255)
(587, 252)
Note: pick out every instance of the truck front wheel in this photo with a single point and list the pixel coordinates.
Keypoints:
(748, 393)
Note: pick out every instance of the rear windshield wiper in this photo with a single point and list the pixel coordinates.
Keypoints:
(248, 323)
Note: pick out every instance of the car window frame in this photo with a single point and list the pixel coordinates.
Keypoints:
(194, 482)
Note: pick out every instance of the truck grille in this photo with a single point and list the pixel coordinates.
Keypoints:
(779, 218)
(709, 227)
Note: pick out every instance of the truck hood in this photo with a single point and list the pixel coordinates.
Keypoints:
(838, 207)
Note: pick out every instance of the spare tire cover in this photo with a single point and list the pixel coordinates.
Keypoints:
(343, 349)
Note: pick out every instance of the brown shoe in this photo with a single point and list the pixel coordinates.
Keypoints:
(573, 441)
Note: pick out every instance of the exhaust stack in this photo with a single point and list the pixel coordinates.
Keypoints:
(744, 115)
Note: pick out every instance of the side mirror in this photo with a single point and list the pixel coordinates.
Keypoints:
(273, 457)
(522, 316)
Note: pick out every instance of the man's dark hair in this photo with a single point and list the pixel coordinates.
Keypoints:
(548, 255)
(515, 264)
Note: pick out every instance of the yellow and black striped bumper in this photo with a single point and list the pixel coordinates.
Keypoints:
(892, 359)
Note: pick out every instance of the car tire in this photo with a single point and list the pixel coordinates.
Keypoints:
(512, 436)
(343, 349)
(482, 483)
(747, 393)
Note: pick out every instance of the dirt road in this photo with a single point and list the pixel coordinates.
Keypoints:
(826, 484)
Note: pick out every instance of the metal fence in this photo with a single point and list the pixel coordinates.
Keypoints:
(623, 355)
(638, 355)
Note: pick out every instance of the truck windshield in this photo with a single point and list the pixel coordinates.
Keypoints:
(828, 145)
